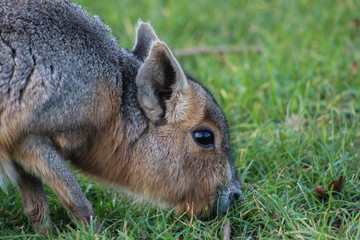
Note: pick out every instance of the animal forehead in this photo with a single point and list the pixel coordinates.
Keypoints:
(212, 111)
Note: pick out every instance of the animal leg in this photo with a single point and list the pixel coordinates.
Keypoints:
(39, 157)
(35, 202)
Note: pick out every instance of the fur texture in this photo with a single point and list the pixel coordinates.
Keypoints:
(68, 91)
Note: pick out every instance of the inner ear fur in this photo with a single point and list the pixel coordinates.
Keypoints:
(161, 83)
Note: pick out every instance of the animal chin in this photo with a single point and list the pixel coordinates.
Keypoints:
(199, 209)
(221, 202)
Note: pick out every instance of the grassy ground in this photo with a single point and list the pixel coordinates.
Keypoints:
(293, 110)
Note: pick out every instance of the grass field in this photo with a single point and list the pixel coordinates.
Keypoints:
(293, 111)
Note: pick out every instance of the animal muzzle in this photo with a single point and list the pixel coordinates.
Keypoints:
(227, 198)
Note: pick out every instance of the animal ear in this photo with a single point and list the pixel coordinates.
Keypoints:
(162, 86)
(145, 36)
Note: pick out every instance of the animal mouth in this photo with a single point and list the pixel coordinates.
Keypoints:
(226, 198)
(222, 201)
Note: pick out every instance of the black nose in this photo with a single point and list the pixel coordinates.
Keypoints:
(235, 196)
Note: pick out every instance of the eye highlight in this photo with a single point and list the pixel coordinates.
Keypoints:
(204, 138)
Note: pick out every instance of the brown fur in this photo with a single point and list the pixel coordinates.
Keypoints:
(126, 118)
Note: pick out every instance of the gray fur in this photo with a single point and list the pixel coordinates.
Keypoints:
(66, 52)
(68, 91)
(144, 39)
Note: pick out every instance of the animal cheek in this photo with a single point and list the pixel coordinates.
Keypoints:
(192, 208)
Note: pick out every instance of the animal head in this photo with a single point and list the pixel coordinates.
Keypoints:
(185, 155)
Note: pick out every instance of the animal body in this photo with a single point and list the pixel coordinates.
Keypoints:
(133, 119)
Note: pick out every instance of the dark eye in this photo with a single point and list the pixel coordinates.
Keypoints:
(204, 138)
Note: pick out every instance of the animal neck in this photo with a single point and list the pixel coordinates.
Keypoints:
(111, 150)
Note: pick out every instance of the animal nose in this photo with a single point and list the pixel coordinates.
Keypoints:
(227, 198)
(235, 196)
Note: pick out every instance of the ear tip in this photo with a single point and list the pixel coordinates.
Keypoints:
(144, 27)
(141, 24)
(160, 48)
(159, 45)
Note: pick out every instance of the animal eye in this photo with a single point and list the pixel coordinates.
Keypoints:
(204, 138)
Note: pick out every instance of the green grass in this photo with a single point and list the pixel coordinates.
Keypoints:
(293, 111)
